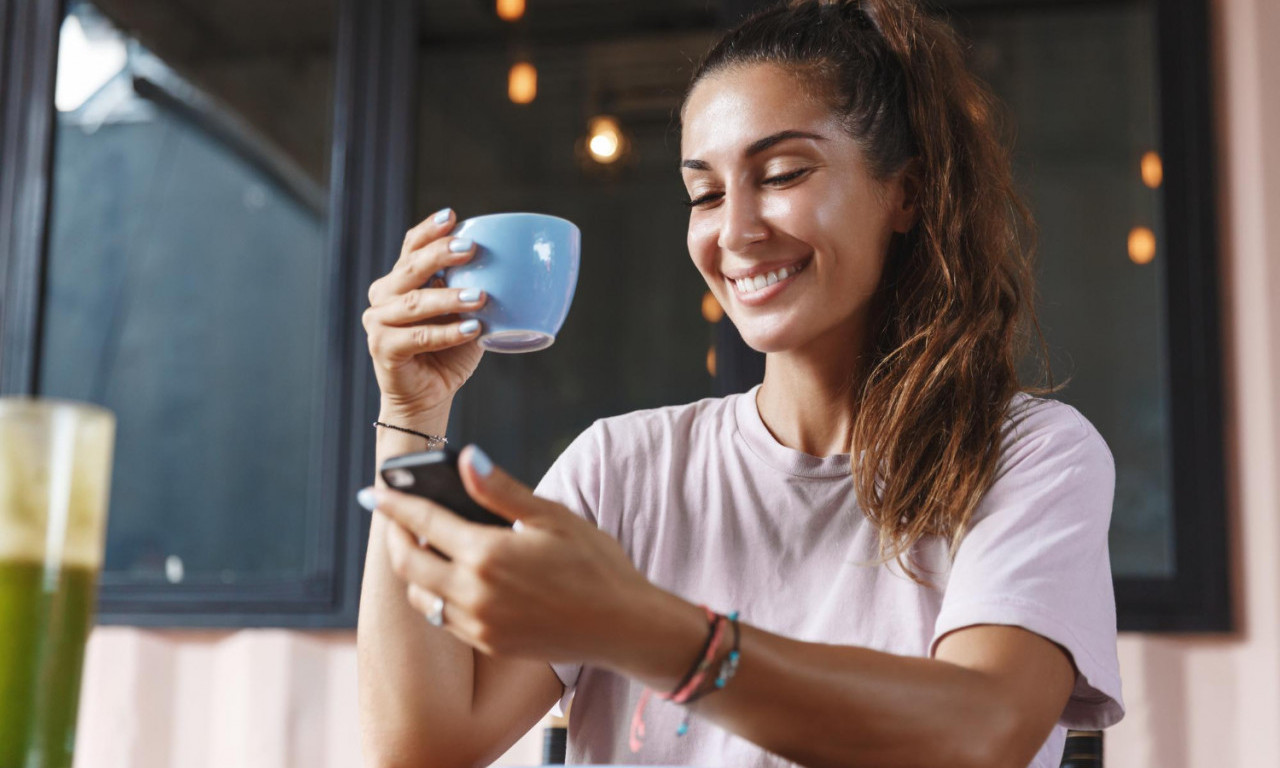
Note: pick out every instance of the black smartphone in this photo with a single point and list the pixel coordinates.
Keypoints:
(434, 475)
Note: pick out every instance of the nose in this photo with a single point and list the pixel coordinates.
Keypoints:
(742, 224)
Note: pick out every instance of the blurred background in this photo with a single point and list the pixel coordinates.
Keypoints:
(196, 194)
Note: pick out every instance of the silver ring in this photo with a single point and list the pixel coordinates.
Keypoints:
(436, 616)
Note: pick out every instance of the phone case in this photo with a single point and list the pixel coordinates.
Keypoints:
(434, 475)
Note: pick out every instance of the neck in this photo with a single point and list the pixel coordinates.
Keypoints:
(807, 399)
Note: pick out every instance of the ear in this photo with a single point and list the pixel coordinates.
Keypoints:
(906, 195)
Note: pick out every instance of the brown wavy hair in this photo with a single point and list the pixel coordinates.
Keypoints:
(954, 307)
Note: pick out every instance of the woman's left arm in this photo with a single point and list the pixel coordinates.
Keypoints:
(560, 589)
(989, 698)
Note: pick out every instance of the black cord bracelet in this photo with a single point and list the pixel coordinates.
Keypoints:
(697, 661)
(436, 438)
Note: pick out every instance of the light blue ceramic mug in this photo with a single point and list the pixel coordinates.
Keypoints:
(527, 264)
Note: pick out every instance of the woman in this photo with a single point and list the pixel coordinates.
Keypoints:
(917, 551)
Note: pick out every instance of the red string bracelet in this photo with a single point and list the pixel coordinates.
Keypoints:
(684, 692)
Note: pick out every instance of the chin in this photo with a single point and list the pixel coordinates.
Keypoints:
(766, 339)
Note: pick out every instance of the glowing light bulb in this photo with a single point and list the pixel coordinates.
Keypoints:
(522, 83)
(1152, 169)
(711, 361)
(510, 10)
(1142, 245)
(604, 139)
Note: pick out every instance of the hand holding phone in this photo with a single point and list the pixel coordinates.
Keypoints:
(434, 475)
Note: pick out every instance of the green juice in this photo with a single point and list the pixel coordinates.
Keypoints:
(44, 623)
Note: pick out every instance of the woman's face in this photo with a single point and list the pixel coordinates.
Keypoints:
(782, 199)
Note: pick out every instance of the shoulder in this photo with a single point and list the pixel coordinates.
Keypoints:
(639, 439)
(653, 426)
(1040, 431)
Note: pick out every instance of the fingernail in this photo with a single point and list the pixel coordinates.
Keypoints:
(517, 526)
(469, 295)
(442, 215)
(470, 326)
(480, 462)
(367, 498)
(460, 245)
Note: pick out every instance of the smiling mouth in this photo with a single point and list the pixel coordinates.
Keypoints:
(750, 286)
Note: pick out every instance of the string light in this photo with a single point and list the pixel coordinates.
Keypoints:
(1142, 245)
(510, 10)
(1152, 170)
(711, 309)
(522, 83)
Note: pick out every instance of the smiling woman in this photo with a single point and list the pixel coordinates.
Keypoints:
(890, 552)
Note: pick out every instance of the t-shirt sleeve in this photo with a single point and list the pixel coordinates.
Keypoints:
(574, 480)
(1036, 556)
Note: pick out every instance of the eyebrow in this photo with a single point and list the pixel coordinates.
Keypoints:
(757, 146)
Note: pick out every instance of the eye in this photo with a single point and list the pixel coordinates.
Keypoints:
(786, 177)
(701, 199)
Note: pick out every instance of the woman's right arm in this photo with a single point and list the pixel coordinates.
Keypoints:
(427, 698)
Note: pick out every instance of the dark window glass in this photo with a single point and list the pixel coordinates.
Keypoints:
(187, 286)
(636, 336)
(1081, 84)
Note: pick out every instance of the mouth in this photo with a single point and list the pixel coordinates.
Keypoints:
(762, 286)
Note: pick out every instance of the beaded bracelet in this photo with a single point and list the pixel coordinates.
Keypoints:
(728, 667)
(688, 683)
(688, 690)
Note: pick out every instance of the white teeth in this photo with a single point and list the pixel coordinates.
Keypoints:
(753, 284)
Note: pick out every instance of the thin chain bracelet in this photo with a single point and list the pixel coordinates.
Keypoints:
(430, 438)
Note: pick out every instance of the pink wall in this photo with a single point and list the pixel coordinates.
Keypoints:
(272, 699)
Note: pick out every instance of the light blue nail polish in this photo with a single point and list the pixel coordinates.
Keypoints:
(480, 462)
(460, 244)
(367, 498)
(442, 215)
(469, 295)
(470, 326)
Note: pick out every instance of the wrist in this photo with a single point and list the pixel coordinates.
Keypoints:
(660, 640)
(432, 420)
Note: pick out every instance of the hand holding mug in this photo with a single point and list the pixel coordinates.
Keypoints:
(423, 351)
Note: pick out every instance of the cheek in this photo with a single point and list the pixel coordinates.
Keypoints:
(701, 241)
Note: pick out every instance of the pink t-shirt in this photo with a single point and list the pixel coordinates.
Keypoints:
(709, 506)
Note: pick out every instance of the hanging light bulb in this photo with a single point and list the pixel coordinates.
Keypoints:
(711, 361)
(1152, 169)
(510, 10)
(604, 139)
(522, 83)
(1142, 245)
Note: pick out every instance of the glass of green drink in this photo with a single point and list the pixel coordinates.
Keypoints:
(55, 477)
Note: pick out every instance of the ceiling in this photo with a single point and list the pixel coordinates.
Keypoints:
(450, 21)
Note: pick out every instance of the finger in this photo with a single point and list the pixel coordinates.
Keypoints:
(394, 345)
(425, 304)
(419, 267)
(457, 621)
(427, 230)
(432, 523)
(414, 564)
(496, 490)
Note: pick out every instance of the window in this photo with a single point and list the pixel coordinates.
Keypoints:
(221, 199)
(188, 289)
